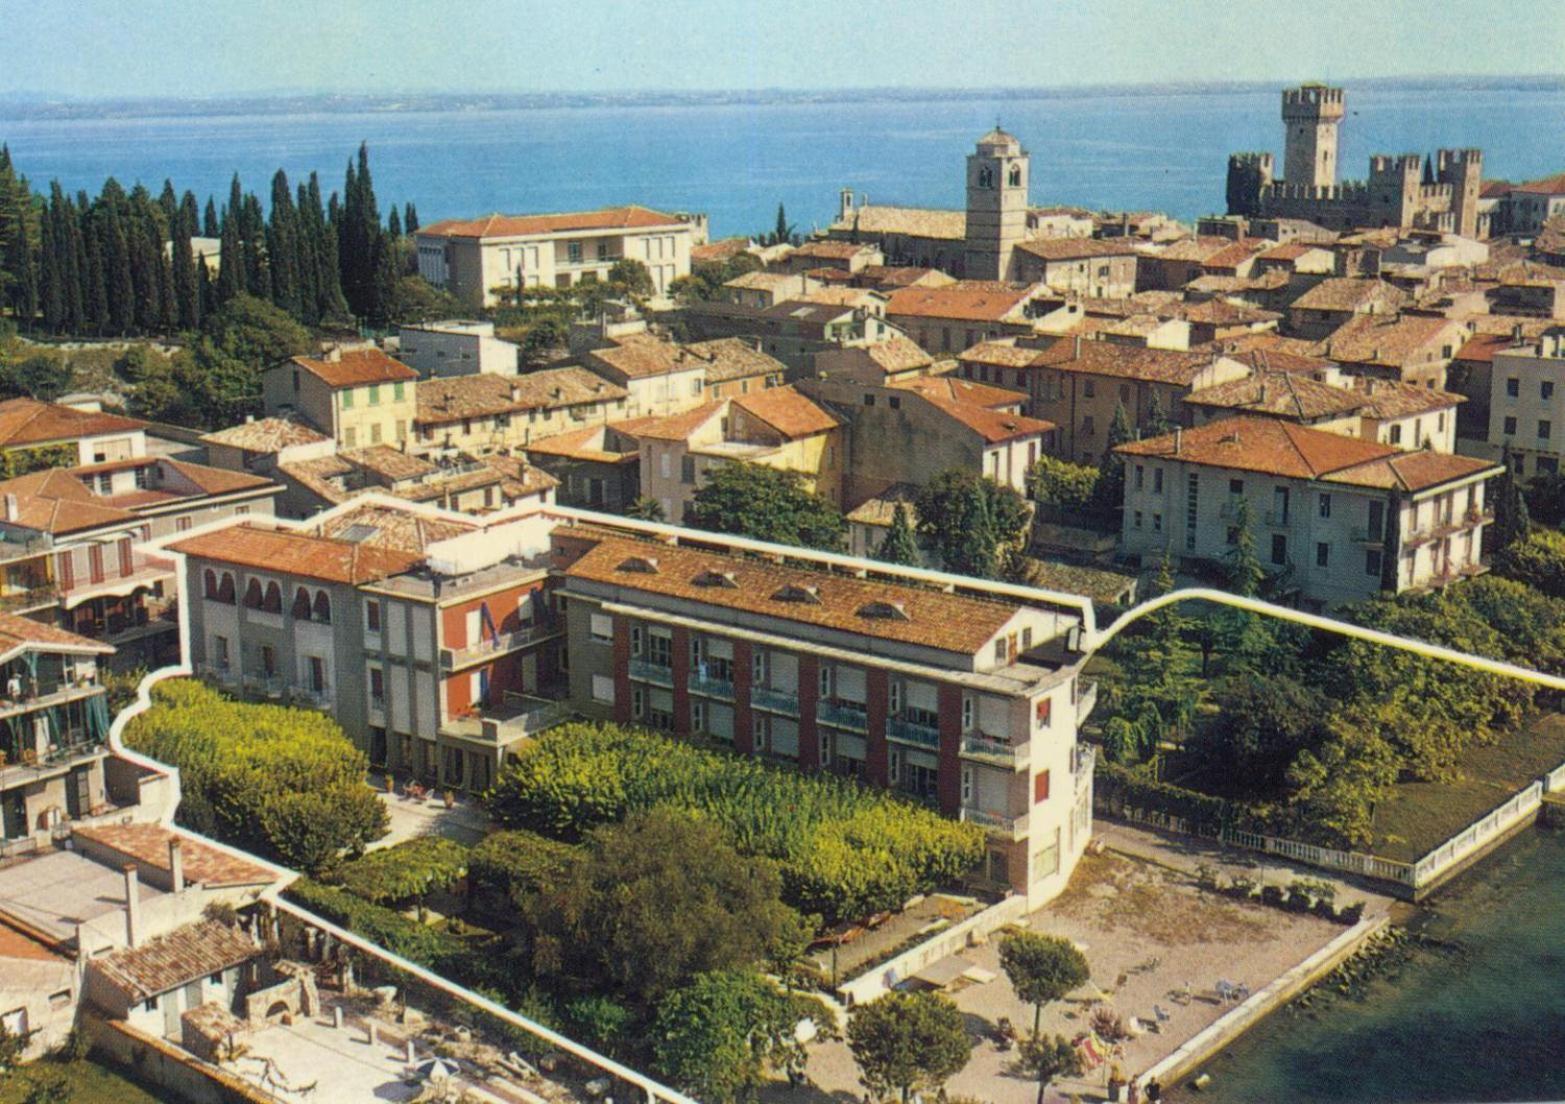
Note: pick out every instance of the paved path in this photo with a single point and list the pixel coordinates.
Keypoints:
(466, 822)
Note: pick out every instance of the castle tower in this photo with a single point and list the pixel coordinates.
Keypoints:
(1249, 174)
(1310, 114)
(996, 205)
(845, 205)
(1463, 170)
(1393, 188)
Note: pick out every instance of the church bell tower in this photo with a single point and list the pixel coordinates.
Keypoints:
(996, 205)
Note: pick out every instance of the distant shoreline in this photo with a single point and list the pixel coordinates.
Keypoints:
(28, 107)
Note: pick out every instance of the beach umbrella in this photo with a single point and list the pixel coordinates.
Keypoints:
(435, 1069)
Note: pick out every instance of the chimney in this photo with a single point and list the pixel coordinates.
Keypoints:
(132, 905)
(334, 354)
(1078, 347)
(1179, 438)
(176, 865)
(10, 508)
(516, 392)
(1516, 333)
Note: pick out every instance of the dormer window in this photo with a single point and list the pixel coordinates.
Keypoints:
(891, 611)
(711, 578)
(643, 565)
(808, 595)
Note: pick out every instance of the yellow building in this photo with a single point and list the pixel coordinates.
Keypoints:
(359, 397)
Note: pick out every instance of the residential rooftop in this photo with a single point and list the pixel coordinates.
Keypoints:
(355, 367)
(25, 423)
(287, 552)
(630, 217)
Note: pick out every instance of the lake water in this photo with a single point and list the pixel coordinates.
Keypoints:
(1127, 149)
(1486, 1023)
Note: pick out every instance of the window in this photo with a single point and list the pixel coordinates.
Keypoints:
(1040, 787)
(687, 469)
(869, 400)
(758, 667)
(1137, 522)
(1322, 554)
(1372, 562)
(1376, 526)
(601, 628)
(105, 483)
(1089, 389)
(1396, 435)
(1157, 523)
(1140, 478)
(1279, 548)
(1510, 427)
(1544, 427)
(1513, 387)
(1043, 708)
(1087, 427)
(347, 399)
(825, 681)
(1157, 480)
(1232, 537)
(377, 685)
(372, 616)
(967, 714)
(1325, 505)
(140, 475)
(374, 394)
(1001, 650)
(603, 689)
(1236, 488)
(573, 252)
(322, 608)
(967, 785)
(397, 391)
(220, 652)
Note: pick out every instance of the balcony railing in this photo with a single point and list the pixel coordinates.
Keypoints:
(644, 671)
(774, 701)
(988, 749)
(1083, 762)
(1012, 827)
(219, 673)
(711, 687)
(312, 698)
(1369, 535)
(500, 643)
(1086, 699)
(29, 764)
(17, 599)
(842, 715)
(260, 683)
(912, 732)
(49, 696)
(518, 716)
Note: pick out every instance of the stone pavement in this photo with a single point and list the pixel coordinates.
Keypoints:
(466, 822)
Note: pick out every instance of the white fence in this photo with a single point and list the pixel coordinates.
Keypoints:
(1415, 876)
(881, 979)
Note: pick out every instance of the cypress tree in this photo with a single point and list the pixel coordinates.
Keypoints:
(51, 276)
(168, 300)
(231, 273)
(328, 283)
(117, 279)
(282, 248)
(168, 205)
(899, 547)
(190, 215)
(359, 235)
(210, 227)
(252, 227)
(206, 293)
(18, 265)
(383, 285)
(182, 265)
(394, 223)
(81, 252)
(143, 314)
(409, 219)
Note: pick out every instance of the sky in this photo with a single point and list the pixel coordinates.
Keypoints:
(87, 49)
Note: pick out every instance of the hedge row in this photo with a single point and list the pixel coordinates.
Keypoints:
(1117, 788)
(844, 850)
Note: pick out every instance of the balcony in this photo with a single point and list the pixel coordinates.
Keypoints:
(655, 673)
(518, 717)
(499, 644)
(774, 701)
(60, 694)
(31, 766)
(1083, 761)
(1000, 753)
(311, 698)
(1086, 699)
(270, 686)
(219, 673)
(912, 732)
(1369, 535)
(849, 715)
(21, 599)
(1013, 828)
(710, 687)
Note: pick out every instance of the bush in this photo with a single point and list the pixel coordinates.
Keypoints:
(405, 872)
(1538, 560)
(282, 782)
(842, 850)
(1117, 788)
(516, 861)
(384, 927)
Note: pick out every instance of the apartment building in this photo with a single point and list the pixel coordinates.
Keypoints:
(449, 479)
(1335, 301)
(1411, 348)
(1092, 267)
(1345, 518)
(358, 397)
(54, 726)
(484, 414)
(70, 544)
(456, 347)
(947, 320)
(37, 435)
(1527, 404)
(1079, 385)
(423, 636)
(796, 330)
(962, 701)
(476, 259)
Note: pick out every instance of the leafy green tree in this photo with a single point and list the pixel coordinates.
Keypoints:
(1069, 488)
(645, 509)
(406, 872)
(601, 1020)
(42, 377)
(721, 1037)
(221, 373)
(768, 504)
(631, 277)
(655, 901)
(1261, 727)
(1110, 489)
(1537, 559)
(970, 522)
(906, 1042)
(544, 339)
(900, 546)
(1048, 1057)
(1042, 968)
(414, 299)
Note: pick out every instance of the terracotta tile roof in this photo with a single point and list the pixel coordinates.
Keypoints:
(1217, 283)
(1288, 450)
(1070, 249)
(803, 310)
(897, 354)
(1235, 254)
(185, 954)
(389, 463)
(895, 276)
(17, 944)
(642, 356)
(1350, 293)
(452, 398)
(1548, 185)
(27, 422)
(592, 443)
(1389, 340)
(970, 301)
(292, 553)
(733, 358)
(913, 222)
(721, 250)
(764, 281)
(216, 481)
(1220, 312)
(398, 530)
(935, 619)
(957, 389)
(1191, 249)
(787, 411)
(832, 250)
(58, 501)
(1001, 353)
(1290, 251)
(519, 478)
(23, 632)
(1395, 399)
(147, 844)
(1107, 358)
(1494, 189)
(518, 226)
(1482, 347)
(1271, 357)
(671, 427)
(355, 367)
(266, 435)
(994, 426)
(1280, 394)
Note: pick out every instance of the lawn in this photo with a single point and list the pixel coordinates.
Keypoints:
(1421, 815)
(89, 1082)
